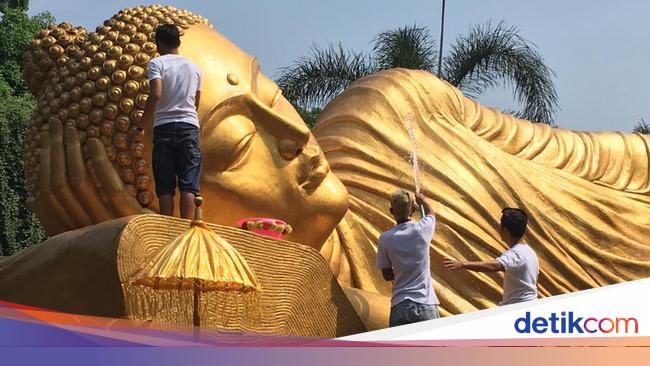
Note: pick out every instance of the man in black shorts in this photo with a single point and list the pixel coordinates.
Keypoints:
(174, 84)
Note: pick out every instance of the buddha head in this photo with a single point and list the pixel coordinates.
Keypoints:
(259, 157)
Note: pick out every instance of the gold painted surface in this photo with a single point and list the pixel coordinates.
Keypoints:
(81, 272)
(198, 264)
(586, 193)
(299, 297)
(198, 253)
(198, 259)
(83, 163)
(73, 272)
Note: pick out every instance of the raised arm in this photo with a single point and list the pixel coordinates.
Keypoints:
(488, 266)
(421, 200)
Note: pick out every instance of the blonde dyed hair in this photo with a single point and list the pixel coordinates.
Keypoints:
(402, 203)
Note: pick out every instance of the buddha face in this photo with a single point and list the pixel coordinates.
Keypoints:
(259, 157)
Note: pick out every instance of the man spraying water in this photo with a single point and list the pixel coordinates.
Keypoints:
(403, 256)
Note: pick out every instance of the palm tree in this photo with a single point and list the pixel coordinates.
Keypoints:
(315, 80)
(642, 127)
(487, 56)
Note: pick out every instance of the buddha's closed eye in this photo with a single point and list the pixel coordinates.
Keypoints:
(240, 152)
(227, 143)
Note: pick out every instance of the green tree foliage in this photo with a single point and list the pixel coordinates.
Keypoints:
(309, 116)
(15, 4)
(487, 56)
(642, 127)
(18, 225)
(17, 30)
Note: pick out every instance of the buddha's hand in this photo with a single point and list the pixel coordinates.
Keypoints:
(67, 197)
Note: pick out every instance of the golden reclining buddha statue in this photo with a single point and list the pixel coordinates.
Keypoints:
(587, 194)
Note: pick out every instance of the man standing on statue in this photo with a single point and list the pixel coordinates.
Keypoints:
(403, 256)
(175, 91)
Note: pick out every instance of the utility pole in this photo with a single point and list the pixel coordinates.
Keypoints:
(442, 34)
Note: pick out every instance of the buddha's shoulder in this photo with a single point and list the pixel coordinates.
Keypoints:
(420, 80)
(395, 91)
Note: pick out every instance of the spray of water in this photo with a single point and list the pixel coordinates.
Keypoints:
(414, 151)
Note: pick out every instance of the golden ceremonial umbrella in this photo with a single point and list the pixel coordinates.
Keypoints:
(200, 261)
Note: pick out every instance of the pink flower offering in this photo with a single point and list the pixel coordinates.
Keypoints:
(272, 228)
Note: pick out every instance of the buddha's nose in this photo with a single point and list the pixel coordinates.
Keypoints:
(313, 154)
(290, 131)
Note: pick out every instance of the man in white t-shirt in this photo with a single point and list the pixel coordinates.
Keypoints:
(403, 256)
(174, 94)
(519, 262)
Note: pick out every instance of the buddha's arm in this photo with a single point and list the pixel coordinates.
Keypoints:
(73, 272)
(613, 159)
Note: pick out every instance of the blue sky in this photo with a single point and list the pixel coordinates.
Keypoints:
(600, 50)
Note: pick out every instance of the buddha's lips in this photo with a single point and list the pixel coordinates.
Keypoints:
(315, 176)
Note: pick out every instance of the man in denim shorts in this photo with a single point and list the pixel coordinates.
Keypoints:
(174, 84)
(403, 256)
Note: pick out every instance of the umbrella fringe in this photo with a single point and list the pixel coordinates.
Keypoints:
(230, 310)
